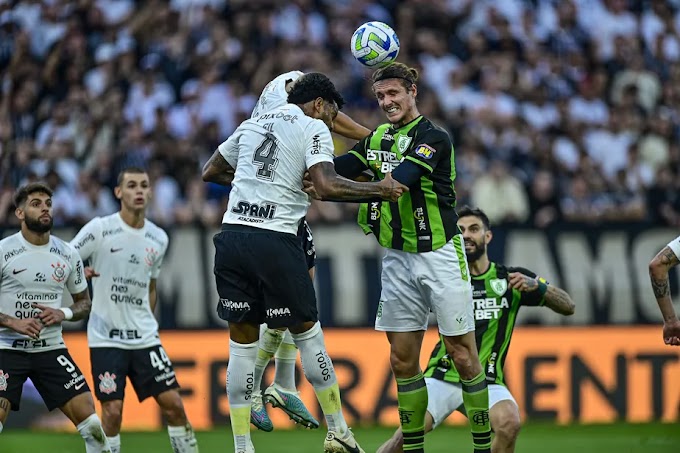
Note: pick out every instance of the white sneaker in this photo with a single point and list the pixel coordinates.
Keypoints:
(336, 444)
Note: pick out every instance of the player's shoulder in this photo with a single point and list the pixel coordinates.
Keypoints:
(11, 242)
(61, 247)
(286, 77)
(521, 270)
(432, 132)
(155, 233)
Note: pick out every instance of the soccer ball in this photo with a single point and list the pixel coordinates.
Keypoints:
(375, 44)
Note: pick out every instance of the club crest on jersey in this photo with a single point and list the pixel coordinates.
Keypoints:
(59, 273)
(403, 142)
(107, 383)
(425, 151)
(3, 380)
(151, 255)
(499, 285)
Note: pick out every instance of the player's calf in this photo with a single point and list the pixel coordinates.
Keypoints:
(182, 438)
(80, 410)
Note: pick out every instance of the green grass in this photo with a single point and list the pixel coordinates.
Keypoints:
(534, 438)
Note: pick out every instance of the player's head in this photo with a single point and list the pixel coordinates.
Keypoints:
(395, 88)
(317, 97)
(133, 189)
(33, 203)
(476, 229)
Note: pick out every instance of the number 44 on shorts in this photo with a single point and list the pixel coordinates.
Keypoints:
(161, 362)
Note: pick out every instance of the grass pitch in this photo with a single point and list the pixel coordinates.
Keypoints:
(534, 438)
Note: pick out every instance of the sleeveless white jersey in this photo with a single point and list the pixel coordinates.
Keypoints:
(271, 154)
(127, 259)
(36, 274)
(274, 94)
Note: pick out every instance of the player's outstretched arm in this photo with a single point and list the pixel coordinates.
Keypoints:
(557, 299)
(328, 185)
(218, 170)
(28, 326)
(347, 127)
(658, 275)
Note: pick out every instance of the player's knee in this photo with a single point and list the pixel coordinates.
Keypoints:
(507, 428)
(173, 410)
(112, 416)
(402, 363)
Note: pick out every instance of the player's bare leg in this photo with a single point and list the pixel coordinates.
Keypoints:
(112, 419)
(80, 410)
(411, 388)
(506, 424)
(319, 371)
(182, 438)
(463, 350)
(5, 407)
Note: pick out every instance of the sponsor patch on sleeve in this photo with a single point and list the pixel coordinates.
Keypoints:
(425, 151)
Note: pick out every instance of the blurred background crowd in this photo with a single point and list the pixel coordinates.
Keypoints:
(560, 110)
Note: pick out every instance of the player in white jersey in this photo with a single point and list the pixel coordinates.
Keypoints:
(276, 342)
(260, 268)
(658, 275)
(125, 251)
(35, 269)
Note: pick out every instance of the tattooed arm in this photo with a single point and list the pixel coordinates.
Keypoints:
(328, 185)
(658, 274)
(218, 170)
(559, 301)
(82, 304)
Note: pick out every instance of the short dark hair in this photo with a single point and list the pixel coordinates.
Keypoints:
(408, 75)
(129, 170)
(23, 192)
(467, 211)
(314, 85)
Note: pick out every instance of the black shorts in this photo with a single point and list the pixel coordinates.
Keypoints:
(307, 240)
(149, 369)
(53, 373)
(262, 277)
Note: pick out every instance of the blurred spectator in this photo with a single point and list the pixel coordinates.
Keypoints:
(560, 111)
(501, 195)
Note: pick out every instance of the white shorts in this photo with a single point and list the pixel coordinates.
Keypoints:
(445, 397)
(415, 283)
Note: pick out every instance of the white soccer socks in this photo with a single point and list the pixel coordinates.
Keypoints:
(286, 355)
(320, 373)
(92, 432)
(114, 443)
(240, 386)
(182, 439)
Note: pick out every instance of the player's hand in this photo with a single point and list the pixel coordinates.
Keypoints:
(671, 333)
(391, 188)
(49, 316)
(522, 282)
(90, 273)
(28, 326)
(308, 187)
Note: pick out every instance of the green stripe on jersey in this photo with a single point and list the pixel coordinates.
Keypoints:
(495, 317)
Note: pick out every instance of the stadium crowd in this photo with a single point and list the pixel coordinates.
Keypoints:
(560, 110)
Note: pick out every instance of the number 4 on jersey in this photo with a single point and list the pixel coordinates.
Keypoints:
(161, 362)
(265, 158)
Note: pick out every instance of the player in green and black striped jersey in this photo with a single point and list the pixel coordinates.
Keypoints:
(424, 268)
(498, 293)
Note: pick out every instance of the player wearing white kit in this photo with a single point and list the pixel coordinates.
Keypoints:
(275, 342)
(260, 267)
(35, 269)
(125, 251)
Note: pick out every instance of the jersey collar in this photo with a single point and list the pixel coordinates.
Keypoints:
(483, 275)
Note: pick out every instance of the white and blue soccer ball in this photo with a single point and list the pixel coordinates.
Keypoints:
(375, 44)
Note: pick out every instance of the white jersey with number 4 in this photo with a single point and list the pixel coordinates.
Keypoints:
(126, 259)
(36, 274)
(271, 154)
(274, 94)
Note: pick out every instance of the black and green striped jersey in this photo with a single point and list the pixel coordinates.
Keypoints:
(423, 219)
(496, 306)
